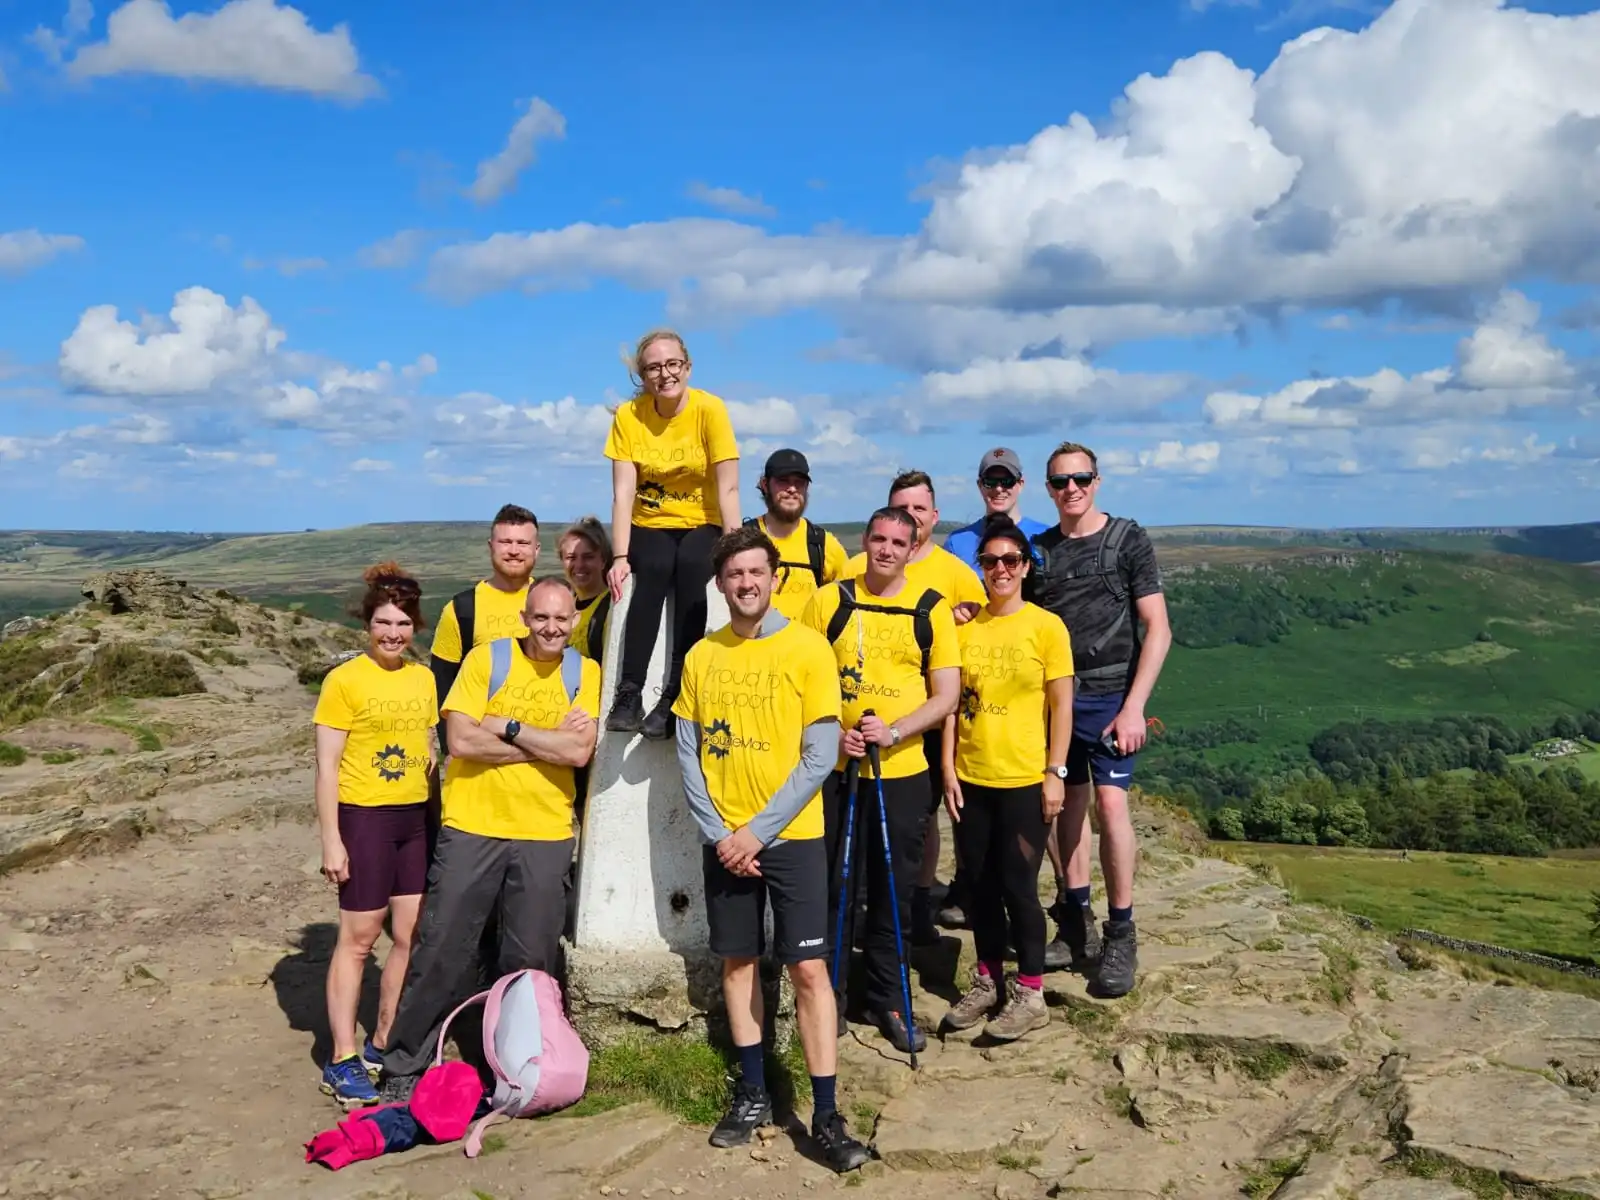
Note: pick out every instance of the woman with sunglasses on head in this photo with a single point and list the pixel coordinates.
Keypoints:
(674, 491)
(1005, 753)
(374, 721)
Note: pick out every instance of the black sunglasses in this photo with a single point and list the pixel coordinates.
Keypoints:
(996, 482)
(1010, 561)
(1082, 478)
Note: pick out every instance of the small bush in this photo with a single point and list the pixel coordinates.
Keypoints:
(56, 757)
(12, 755)
(224, 624)
(138, 672)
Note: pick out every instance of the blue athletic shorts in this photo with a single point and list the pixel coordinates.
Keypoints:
(1088, 759)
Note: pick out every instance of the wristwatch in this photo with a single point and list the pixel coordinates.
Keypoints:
(512, 729)
(1059, 772)
(894, 736)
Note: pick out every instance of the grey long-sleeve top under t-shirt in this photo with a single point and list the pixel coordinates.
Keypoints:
(819, 750)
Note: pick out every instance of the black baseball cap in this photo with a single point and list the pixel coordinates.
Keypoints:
(786, 462)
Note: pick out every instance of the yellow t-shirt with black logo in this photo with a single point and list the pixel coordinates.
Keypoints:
(753, 698)
(795, 584)
(531, 802)
(578, 639)
(496, 614)
(880, 664)
(675, 455)
(939, 570)
(388, 715)
(1002, 722)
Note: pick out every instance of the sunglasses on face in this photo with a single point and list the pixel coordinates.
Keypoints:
(1009, 561)
(998, 483)
(1082, 478)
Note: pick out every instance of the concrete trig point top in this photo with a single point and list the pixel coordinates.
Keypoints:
(640, 948)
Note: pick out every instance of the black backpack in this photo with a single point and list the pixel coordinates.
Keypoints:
(444, 671)
(1039, 588)
(921, 616)
(816, 548)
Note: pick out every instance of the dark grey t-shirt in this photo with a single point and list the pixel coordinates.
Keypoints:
(1070, 586)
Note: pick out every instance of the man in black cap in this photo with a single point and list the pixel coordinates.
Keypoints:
(1000, 489)
(808, 555)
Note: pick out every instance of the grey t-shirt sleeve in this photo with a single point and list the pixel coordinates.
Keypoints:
(819, 750)
(1144, 577)
(705, 813)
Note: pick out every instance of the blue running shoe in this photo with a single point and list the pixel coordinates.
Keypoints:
(372, 1060)
(346, 1081)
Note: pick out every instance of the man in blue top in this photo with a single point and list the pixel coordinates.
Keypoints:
(1000, 485)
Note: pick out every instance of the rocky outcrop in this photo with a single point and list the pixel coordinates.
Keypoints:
(140, 590)
(21, 627)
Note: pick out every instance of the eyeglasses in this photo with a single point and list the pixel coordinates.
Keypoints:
(998, 483)
(1082, 478)
(1009, 561)
(673, 366)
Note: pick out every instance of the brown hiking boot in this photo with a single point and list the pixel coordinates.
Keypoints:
(977, 1004)
(1024, 1012)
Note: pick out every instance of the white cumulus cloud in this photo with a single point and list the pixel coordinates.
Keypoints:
(245, 42)
(729, 200)
(23, 250)
(498, 175)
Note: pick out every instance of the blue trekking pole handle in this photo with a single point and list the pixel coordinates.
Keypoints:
(851, 773)
(894, 895)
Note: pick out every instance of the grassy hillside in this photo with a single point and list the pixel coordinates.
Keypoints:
(1563, 543)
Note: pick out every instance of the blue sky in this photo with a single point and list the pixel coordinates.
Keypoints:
(1315, 262)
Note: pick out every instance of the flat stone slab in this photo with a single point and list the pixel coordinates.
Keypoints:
(1413, 1189)
(923, 1129)
(1516, 1123)
(1310, 1033)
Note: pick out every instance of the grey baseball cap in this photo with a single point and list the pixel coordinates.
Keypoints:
(1001, 456)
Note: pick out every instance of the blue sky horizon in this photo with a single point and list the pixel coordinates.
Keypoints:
(1327, 263)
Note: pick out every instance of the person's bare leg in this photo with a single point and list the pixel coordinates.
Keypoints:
(403, 914)
(1074, 843)
(357, 932)
(816, 1015)
(741, 994)
(1118, 847)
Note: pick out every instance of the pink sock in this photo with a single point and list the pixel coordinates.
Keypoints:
(995, 971)
(1036, 982)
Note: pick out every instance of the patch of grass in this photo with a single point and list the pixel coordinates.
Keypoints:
(866, 1115)
(480, 1194)
(56, 757)
(1266, 1177)
(12, 755)
(1476, 1181)
(1011, 1160)
(592, 1105)
(1269, 945)
(493, 1142)
(224, 624)
(128, 670)
(685, 1077)
(1264, 1061)
(1118, 1099)
(22, 660)
(1087, 1019)
(1339, 973)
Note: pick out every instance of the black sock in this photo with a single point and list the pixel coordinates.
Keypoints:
(1120, 914)
(1080, 896)
(823, 1101)
(753, 1066)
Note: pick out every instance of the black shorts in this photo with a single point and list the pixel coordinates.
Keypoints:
(388, 849)
(794, 877)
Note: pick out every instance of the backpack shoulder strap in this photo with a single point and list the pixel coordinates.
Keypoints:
(481, 997)
(816, 548)
(1107, 562)
(466, 606)
(571, 672)
(499, 664)
(597, 626)
(752, 520)
(841, 615)
(922, 624)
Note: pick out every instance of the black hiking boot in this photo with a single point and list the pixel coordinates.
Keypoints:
(627, 710)
(750, 1109)
(839, 1150)
(1119, 960)
(1078, 934)
(905, 1038)
(661, 723)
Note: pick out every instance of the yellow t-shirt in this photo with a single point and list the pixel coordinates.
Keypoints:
(496, 614)
(388, 715)
(753, 698)
(677, 488)
(578, 639)
(528, 801)
(795, 583)
(939, 570)
(880, 664)
(1002, 722)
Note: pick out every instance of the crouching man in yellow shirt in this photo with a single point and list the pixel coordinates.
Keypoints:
(757, 732)
(522, 715)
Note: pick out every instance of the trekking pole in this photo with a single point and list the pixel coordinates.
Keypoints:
(846, 895)
(894, 898)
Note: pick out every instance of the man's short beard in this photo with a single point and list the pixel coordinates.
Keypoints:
(773, 511)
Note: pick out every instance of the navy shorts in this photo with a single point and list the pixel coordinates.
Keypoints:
(1087, 759)
(388, 849)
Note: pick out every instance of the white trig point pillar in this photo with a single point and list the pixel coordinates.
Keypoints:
(640, 949)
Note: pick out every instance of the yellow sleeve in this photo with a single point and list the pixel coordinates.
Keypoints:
(469, 694)
(447, 637)
(966, 586)
(946, 651)
(819, 609)
(686, 706)
(834, 559)
(718, 432)
(855, 567)
(820, 699)
(430, 690)
(1055, 646)
(333, 703)
(619, 445)
(589, 688)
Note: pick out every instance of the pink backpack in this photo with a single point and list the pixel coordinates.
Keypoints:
(539, 1063)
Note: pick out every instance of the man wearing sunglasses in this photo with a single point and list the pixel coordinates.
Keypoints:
(1098, 574)
(1000, 489)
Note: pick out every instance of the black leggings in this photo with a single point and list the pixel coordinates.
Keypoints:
(664, 562)
(1001, 836)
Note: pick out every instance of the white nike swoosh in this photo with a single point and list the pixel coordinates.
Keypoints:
(1114, 775)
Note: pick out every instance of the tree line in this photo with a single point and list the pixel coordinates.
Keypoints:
(1252, 610)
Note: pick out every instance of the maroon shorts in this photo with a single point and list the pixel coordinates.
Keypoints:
(388, 849)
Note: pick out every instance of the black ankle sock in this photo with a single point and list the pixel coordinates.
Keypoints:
(823, 1101)
(1120, 914)
(1080, 895)
(753, 1066)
